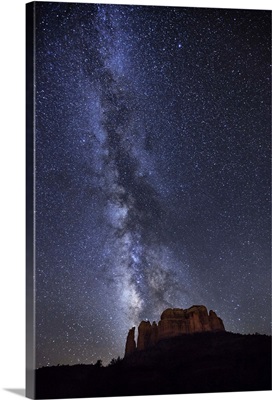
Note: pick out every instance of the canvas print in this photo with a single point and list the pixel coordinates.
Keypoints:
(148, 200)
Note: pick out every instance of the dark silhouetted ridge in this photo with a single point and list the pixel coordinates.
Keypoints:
(193, 363)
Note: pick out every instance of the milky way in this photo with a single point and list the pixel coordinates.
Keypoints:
(152, 171)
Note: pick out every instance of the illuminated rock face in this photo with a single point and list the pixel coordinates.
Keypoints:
(173, 322)
(176, 321)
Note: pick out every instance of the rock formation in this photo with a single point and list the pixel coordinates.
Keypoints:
(144, 335)
(147, 335)
(176, 321)
(173, 322)
(154, 334)
(215, 322)
(130, 344)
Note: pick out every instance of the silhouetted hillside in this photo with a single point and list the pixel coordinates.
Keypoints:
(196, 363)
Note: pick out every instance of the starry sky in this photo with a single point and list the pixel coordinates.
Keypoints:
(152, 172)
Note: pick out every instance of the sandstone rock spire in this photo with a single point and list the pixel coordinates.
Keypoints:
(130, 343)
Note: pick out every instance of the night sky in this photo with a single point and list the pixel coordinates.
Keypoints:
(152, 172)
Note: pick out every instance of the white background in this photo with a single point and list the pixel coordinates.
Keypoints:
(12, 169)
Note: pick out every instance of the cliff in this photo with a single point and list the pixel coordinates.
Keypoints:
(174, 322)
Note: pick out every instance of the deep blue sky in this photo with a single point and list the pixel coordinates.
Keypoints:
(152, 171)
